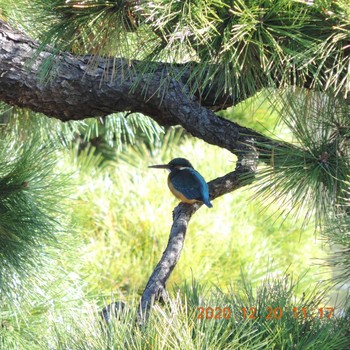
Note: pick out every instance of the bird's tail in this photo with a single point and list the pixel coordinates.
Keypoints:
(207, 203)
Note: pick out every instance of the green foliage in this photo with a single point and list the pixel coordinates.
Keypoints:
(109, 134)
(310, 173)
(51, 281)
(243, 45)
(309, 176)
(31, 198)
(121, 213)
(258, 113)
(130, 244)
(262, 328)
(26, 125)
(337, 234)
(176, 326)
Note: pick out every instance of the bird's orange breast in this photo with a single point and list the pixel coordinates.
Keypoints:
(179, 195)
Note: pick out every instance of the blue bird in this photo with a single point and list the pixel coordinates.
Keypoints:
(185, 182)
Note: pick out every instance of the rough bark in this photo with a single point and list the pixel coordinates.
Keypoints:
(79, 91)
(76, 92)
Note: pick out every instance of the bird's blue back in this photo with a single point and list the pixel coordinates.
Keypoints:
(191, 184)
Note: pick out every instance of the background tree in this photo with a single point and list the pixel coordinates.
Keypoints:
(180, 63)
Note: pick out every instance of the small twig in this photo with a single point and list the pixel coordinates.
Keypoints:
(127, 114)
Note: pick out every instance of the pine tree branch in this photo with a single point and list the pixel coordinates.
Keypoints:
(75, 93)
(155, 288)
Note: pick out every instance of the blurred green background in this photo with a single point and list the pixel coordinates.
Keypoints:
(123, 212)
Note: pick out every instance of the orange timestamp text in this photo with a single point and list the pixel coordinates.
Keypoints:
(268, 313)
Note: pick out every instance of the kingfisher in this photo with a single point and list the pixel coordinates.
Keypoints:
(185, 182)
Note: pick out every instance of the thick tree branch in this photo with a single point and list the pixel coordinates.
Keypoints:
(76, 92)
(75, 83)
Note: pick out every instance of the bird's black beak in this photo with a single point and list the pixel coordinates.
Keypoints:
(160, 166)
